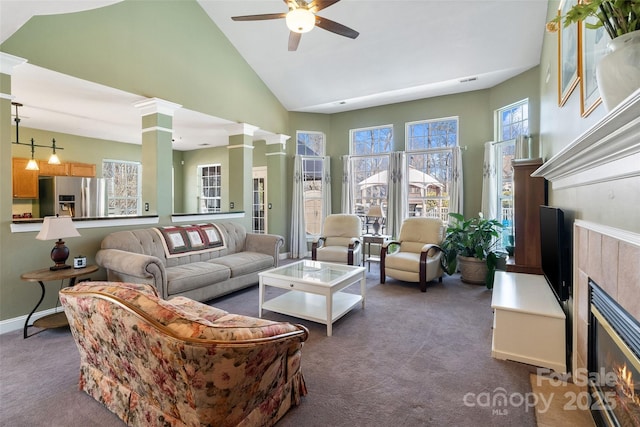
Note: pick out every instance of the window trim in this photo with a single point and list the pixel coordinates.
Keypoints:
(138, 184)
(201, 195)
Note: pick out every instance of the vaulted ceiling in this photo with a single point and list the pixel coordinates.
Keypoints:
(406, 50)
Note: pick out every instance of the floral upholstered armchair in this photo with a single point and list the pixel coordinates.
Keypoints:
(154, 362)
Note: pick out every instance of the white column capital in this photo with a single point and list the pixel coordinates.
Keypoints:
(156, 106)
(277, 139)
(241, 129)
(9, 62)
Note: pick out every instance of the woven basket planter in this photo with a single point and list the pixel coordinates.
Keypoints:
(472, 270)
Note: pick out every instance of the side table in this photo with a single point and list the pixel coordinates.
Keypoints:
(367, 240)
(55, 320)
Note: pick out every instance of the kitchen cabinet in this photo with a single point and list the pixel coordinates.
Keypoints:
(82, 169)
(25, 182)
(53, 170)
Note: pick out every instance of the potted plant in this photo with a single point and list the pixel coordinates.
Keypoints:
(618, 17)
(617, 73)
(469, 245)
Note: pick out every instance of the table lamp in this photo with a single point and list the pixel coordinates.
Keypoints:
(375, 211)
(58, 227)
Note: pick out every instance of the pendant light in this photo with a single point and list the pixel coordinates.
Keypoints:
(33, 164)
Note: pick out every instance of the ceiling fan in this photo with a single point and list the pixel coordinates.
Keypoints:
(301, 18)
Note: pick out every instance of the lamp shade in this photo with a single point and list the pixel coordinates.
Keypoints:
(57, 227)
(375, 211)
(300, 20)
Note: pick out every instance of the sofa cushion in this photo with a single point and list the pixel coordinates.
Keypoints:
(186, 277)
(242, 263)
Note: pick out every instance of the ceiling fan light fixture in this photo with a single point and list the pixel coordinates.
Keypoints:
(300, 20)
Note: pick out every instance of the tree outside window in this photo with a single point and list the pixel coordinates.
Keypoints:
(124, 189)
(210, 179)
(311, 146)
(512, 122)
(370, 148)
(429, 149)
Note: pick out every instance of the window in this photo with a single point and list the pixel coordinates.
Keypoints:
(370, 148)
(259, 217)
(311, 146)
(210, 188)
(124, 188)
(512, 122)
(429, 147)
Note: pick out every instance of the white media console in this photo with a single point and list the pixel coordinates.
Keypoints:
(528, 322)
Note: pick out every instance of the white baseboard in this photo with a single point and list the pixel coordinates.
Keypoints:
(17, 323)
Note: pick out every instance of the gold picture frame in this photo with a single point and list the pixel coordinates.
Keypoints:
(567, 55)
(593, 46)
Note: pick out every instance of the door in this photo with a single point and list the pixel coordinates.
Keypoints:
(259, 212)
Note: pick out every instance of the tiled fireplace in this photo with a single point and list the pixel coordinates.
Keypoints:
(606, 256)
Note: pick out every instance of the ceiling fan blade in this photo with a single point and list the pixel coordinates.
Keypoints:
(334, 27)
(294, 40)
(318, 5)
(259, 17)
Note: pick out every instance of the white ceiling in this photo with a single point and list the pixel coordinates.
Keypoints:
(406, 50)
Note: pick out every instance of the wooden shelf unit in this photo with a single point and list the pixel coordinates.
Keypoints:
(528, 194)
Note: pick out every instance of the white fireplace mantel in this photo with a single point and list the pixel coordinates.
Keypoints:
(608, 151)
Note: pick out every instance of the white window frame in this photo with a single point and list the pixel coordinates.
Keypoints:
(439, 203)
(379, 162)
(202, 198)
(504, 153)
(313, 189)
(120, 200)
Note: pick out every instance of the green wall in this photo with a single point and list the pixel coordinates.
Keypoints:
(152, 48)
(122, 47)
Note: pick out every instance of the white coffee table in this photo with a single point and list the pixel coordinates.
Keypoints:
(314, 290)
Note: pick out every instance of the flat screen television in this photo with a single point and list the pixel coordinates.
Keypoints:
(555, 251)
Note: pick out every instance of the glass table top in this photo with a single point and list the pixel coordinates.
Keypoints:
(315, 271)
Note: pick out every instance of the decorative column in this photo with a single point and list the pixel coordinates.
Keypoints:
(276, 183)
(240, 168)
(7, 64)
(157, 155)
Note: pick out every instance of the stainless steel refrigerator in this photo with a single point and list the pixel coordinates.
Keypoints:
(73, 196)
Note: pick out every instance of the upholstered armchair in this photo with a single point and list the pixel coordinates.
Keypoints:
(154, 362)
(340, 240)
(415, 256)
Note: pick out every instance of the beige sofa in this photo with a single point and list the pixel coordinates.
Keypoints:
(200, 261)
(179, 363)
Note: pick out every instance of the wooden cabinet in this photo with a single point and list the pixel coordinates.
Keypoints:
(82, 169)
(25, 182)
(528, 194)
(67, 169)
(53, 170)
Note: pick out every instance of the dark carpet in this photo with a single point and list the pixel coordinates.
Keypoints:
(408, 359)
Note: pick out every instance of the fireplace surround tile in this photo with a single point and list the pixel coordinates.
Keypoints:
(597, 260)
(629, 274)
(582, 243)
(610, 255)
